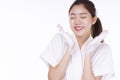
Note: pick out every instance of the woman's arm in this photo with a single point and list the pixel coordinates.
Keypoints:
(58, 72)
(87, 71)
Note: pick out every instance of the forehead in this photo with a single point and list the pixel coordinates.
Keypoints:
(79, 9)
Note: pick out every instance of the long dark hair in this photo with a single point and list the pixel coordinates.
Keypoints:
(97, 27)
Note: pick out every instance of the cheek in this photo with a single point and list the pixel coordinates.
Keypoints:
(88, 23)
(71, 23)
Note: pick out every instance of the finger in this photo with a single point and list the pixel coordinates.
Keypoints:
(60, 28)
(66, 35)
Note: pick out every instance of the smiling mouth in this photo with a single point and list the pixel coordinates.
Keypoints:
(78, 28)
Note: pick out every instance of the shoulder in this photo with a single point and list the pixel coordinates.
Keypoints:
(103, 49)
(104, 46)
(102, 61)
(102, 53)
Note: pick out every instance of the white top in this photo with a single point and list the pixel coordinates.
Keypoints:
(102, 64)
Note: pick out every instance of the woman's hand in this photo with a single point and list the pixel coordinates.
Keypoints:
(97, 39)
(87, 70)
(69, 41)
(58, 72)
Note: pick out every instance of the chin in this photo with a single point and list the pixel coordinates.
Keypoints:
(79, 34)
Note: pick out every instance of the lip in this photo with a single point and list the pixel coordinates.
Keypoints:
(78, 28)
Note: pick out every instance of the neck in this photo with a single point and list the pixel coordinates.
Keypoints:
(81, 39)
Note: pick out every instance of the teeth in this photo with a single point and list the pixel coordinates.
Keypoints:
(78, 28)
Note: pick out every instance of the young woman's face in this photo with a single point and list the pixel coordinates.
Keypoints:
(81, 20)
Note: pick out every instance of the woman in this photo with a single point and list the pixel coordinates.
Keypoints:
(82, 56)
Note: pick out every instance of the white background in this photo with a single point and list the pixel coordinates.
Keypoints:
(27, 26)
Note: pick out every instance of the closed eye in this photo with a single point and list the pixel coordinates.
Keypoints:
(72, 17)
(83, 17)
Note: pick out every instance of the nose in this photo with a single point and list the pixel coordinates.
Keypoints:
(77, 20)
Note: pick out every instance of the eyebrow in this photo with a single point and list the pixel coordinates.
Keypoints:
(79, 13)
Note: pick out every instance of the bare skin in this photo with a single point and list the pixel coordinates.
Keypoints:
(81, 23)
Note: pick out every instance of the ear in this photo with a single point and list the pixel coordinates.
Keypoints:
(94, 20)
